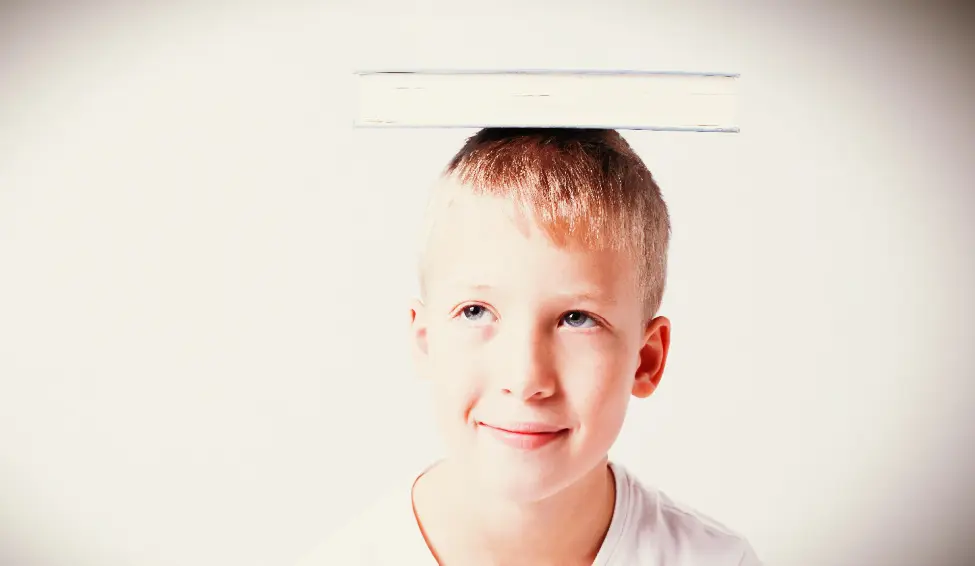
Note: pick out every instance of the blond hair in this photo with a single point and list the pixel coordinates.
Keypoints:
(581, 186)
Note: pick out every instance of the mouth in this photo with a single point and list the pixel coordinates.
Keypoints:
(524, 436)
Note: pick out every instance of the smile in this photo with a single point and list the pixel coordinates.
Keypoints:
(524, 436)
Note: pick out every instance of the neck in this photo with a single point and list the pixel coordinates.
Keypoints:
(465, 523)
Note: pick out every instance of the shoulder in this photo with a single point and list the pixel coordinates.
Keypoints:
(675, 533)
(702, 534)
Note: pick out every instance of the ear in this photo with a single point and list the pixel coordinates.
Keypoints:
(653, 357)
(418, 333)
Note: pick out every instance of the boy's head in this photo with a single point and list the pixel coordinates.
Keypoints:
(542, 270)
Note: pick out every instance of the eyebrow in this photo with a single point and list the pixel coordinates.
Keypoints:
(591, 296)
(467, 286)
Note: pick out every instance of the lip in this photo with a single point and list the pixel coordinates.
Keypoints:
(526, 435)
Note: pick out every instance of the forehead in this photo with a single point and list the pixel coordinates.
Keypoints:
(484, 240)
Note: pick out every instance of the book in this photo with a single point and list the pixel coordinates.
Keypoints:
(634, 100)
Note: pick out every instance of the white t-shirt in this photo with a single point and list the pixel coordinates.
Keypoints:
(647, 529)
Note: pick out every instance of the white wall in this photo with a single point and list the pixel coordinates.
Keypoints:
(204, 273)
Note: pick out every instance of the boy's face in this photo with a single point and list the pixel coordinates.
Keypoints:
(519, 335)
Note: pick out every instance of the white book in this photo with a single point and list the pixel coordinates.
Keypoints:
(586, 99)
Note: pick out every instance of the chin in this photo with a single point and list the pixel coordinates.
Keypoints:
(521, 481)
(519, 489)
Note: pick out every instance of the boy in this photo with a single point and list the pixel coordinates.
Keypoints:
(541, 274)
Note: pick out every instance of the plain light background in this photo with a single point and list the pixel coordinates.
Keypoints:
(204, 272)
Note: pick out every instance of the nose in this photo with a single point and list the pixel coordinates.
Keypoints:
(530, 372)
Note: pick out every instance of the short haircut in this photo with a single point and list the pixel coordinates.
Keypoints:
(583, 187)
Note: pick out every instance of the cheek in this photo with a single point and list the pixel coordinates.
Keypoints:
(598, 381)
(453, 365)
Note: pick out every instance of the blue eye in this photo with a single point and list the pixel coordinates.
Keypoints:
(476, 313)
(578, 319)
(473, 312)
